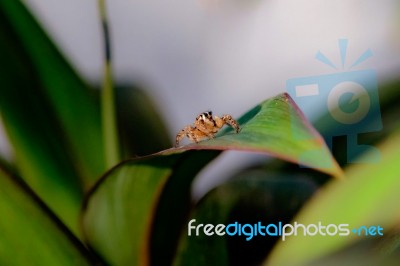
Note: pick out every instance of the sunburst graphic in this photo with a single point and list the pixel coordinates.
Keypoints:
(343, 43)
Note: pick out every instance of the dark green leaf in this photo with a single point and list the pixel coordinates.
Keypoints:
(141, 129)
(30, 232)
(119, 215)
(254, 196)
(51, 120)
(61, 87)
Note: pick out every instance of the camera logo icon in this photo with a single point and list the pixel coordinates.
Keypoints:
(349, 99)
(358, 93)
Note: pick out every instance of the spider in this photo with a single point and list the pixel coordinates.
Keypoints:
(206, 126)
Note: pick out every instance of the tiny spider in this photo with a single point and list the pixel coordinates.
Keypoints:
(206, 126)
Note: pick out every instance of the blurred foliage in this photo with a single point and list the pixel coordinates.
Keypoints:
(366, 252)
(248, 198)
(366, 198)
(52, 118)
(53, 143)
(30, 233)
(137, 212)
(142, 131)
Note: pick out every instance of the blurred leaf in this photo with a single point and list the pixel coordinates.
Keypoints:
(127, 212)
(46, 72)
(30, 233)
(49, 117)
(368, 198)
(383, 250)
(36, 138)
(141, 128)
(252, 197)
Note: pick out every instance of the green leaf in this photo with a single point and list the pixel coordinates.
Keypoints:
(384, 250)
(30, 233)
(50, 118)
(253, 196)
(278, 128)
(368, 198)
(56, 83)
(121, 209)
(126, 213)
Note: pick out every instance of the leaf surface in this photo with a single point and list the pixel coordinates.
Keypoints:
(57, 84)
(278, 128)
(51, 120)
(368, 198)
(30, 233)
(135, 213)
(254, 196)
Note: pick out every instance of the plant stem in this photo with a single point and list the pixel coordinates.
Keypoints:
(109, 123)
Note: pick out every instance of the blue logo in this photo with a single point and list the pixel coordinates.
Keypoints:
(348, 97)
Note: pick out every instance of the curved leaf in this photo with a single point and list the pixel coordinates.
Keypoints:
(119, 214)
(30, 232)
(368, 198)
(52, 121)
(127, 213)
(59, 86)
(277, 127)
(253, 196)
(41, 156)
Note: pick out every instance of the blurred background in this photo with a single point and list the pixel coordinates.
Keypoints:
(226, 56)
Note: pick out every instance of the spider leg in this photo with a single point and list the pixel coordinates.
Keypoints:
(227, 119)
(186, 131)
(191, 133)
